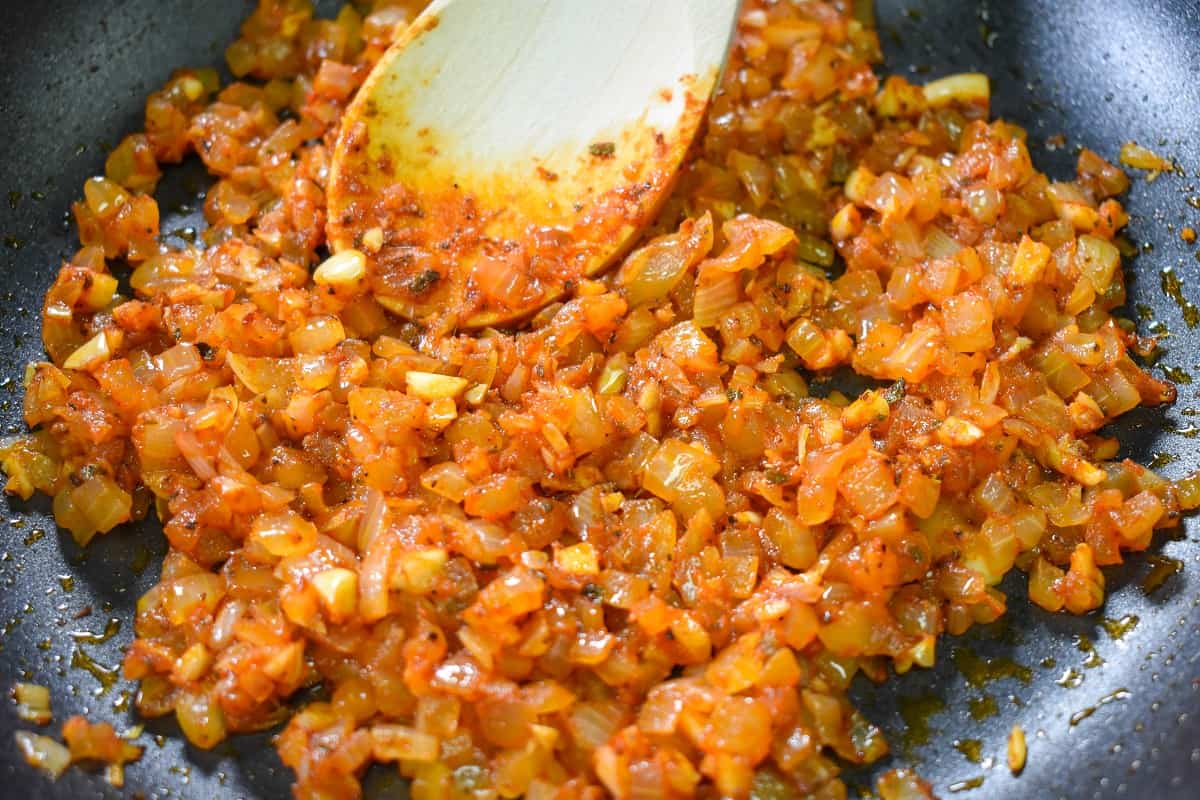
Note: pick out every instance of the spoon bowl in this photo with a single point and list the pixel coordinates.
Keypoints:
(501, 151)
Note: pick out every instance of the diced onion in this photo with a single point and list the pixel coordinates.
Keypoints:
(429, 386)
(33, 702)
(966, 88)
(654, 270)
(1016, 749)
(43, 753)
(401, 743)
(1139, 157)
(90, 354)
(716, 292)
(343, 269)
(201, 719)
(1098, 260)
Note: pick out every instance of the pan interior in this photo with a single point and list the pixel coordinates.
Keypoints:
(73, 79)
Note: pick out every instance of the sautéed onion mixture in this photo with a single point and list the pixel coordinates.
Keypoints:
(635, 546)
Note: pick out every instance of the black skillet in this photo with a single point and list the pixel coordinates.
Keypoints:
(73, 77)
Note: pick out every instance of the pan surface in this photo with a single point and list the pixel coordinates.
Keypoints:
(73, 77)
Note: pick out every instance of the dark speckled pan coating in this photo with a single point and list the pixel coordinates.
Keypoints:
(73, 76)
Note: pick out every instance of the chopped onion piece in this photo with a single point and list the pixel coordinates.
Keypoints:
(33, 702)
(343, 269)
(43, 753)
(93, 352)
(968, 88)
(430, 386)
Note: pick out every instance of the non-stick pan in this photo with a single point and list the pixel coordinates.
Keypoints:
(1111, 706)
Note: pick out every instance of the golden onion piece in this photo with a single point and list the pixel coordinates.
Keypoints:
(33, 702)
(43, 753)
(967, 88)
(344, 269)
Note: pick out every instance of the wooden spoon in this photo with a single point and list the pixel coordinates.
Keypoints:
(502, 149)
